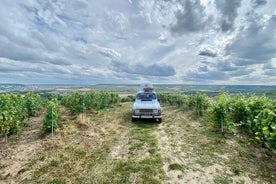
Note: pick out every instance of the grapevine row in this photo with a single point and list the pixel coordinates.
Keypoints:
(255, 114)
(51, 116)
(78, 102)
(14, 109)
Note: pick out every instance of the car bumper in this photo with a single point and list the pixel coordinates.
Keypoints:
(146, 116)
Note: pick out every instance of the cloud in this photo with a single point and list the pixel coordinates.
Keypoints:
(254, 44)
(226, 66)
(8, 65)
(163, 38)
(258, 3)
(270, 68)
(205, 72)
(172, 41)
(107, 52)
(241, 71)
(211, 76)
(191, 18)
(207, 51)
(203, 69)
(50, 13)
(216, 71)
(270, 73)
(142, 69)
(229, 12)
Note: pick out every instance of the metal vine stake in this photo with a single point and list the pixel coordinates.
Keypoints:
(52, 123)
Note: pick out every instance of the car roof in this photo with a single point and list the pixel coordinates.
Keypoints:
(146, 92)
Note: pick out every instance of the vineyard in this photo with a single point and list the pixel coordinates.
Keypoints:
(93, 130)
(255, 114)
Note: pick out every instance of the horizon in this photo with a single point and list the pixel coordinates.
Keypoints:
(135, 84)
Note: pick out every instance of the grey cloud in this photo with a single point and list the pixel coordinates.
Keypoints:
(241, 71)
(269, 69)
(27, 54)
(107, 52)
(75, 41)
(203, 69)
(117, 23)
(206, 72)
(158, 53)
(8, 65)
(50, 13)
(59, 61)
(216, 71)
(255, 44)
(258, 3)
(190, 19)
(246, 62)
(80, 4)
(226, 66)
(158, 70)
(142, 69)
(228, 10)
(206, 76)
(268, 66)
(163, 38)
(270, 72)
(207, 52)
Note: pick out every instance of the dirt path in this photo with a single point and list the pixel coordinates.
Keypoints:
(20, 150)
(192, 156)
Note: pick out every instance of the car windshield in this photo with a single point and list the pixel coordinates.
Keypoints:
(146, 96)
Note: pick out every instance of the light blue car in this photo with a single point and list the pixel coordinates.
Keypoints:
(146, 106)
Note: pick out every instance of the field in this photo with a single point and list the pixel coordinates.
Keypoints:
(106, 147)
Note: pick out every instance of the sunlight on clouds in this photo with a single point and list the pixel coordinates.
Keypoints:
(273, 62)
(172, 41)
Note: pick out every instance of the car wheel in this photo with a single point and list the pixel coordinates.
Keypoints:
(133, 119)
(159, 120)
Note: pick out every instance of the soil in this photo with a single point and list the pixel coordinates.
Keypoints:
(20, 150)
(190, 151)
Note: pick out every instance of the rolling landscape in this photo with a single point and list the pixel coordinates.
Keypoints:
(77, 103)
(94, 141)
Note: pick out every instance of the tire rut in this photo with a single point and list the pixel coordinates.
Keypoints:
(180, 143)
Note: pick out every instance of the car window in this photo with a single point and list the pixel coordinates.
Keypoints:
(146, 96)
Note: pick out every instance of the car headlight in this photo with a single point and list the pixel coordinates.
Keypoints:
(137, 111)
(155, 111)
(159, 111)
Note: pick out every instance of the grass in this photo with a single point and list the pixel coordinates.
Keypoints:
(222, 180)
(144, 164)
(1, 176)
(204, 162)
(84, 154)
(236, 169)
(56, 181)
(176, 166)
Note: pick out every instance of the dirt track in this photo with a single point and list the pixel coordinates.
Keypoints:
(20, 150)
(105, 147)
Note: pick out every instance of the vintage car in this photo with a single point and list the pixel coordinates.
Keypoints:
(146, 105)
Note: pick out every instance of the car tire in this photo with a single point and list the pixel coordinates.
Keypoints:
(133, 119)
(159, 120)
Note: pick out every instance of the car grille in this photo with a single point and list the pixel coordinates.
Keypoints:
(146, 110)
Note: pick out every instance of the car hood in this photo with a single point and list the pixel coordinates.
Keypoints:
(138, 104)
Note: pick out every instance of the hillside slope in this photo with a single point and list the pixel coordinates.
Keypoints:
(105, 147)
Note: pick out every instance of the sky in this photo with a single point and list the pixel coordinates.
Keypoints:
(89, 42)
